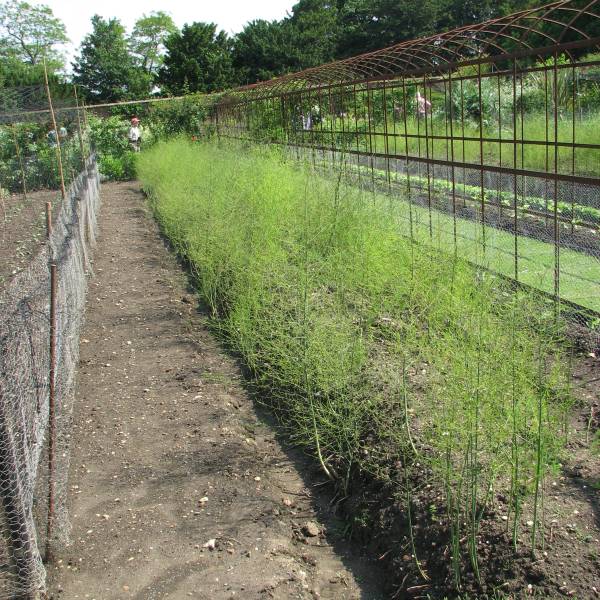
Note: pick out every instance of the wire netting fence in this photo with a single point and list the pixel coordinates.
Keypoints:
(41, 307)
(485, 138)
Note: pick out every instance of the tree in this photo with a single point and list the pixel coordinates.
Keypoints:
(105, 69)
(262, 51)
(371, 25)
(198, 59)
(314, 29)
(148, 37)
(31, 33)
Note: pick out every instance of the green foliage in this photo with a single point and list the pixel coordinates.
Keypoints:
(314, 30)
(36, 157)
(261, 51)
(30, 33)
(373, 351)
(105, 69)
(198, 59)
(368, 26)
(16, 73)
(183, 116)
(118, 168)
(116, 160)
(148, 37)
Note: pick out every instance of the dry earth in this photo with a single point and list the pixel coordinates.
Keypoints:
(23, 229)
(179, 487)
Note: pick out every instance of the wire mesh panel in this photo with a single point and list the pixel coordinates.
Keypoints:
(485, 136)
(39, 333)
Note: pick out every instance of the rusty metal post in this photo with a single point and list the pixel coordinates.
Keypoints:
(407, 152)
(499, 196)
(574, 117)
(357, 135)
(515, 187)
(481, 158)
(428, 164)
(451, 107)
(51, 412)
(48, 219)
(386, 137)
(547, 144)
(556, 225)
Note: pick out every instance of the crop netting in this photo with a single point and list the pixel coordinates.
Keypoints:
(485, 138)
(36, 388)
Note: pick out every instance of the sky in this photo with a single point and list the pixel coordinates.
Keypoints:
(230, 15)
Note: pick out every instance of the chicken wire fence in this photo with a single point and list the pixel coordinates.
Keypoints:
(32, 136)
(484, 138)
(42, 309)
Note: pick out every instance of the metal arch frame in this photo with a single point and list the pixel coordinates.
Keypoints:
(467, 45)
(511, 48)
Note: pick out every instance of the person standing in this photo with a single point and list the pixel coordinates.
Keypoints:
(423, 105)
(135, 135)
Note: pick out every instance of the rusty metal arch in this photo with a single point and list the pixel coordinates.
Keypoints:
(522, 34)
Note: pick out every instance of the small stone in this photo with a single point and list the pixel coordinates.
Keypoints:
(211, 544)
(310, 529)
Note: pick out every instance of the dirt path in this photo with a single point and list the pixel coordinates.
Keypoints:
(169, 452)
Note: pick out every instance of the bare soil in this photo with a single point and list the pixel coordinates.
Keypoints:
(23, 229)
(179, 486)
(567, 562)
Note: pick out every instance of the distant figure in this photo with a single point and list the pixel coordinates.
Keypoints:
(316, 114)
(63, 133)
(135, 135)
(423, 105)
(51, 137)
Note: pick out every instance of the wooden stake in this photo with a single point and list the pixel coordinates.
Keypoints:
(81, 147)
(58, 151)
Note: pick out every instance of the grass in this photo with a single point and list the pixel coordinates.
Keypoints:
(373, 350)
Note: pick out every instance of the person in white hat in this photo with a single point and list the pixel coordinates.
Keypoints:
(135, 135)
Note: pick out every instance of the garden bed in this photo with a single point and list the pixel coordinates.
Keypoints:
(23, 229)
(441, 402)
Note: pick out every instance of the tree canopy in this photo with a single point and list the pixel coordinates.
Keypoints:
(30, 33)
(105, 69)
(113, 65)
(148, 38)
(197, 59)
